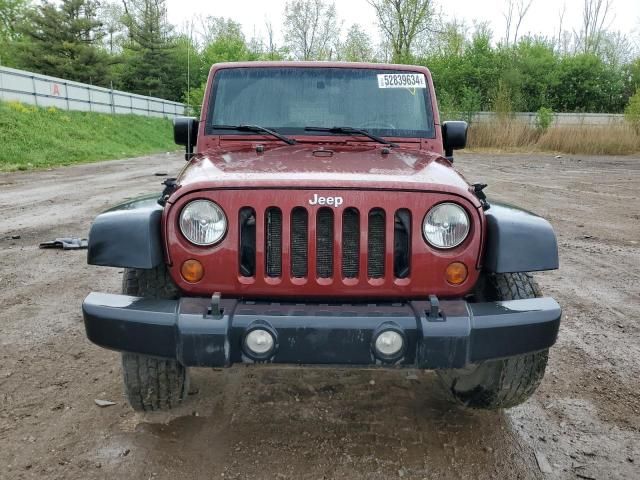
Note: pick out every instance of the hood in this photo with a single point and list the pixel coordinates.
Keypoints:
(313, 166)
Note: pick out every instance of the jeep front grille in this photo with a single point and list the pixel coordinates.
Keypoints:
(336, 245)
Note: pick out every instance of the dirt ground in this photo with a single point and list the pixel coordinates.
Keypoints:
(321, 423)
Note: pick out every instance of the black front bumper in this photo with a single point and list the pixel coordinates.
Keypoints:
(186, 330)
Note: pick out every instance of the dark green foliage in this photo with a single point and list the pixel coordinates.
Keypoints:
(150, 66)
(526, 77)
(583, 83)
(12, 13)
(63, 40)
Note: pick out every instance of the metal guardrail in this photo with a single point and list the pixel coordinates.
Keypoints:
(44, 91)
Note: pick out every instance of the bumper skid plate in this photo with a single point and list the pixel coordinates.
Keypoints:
(328, 334)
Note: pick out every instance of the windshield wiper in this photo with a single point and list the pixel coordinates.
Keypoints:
(351, 130)
(257, 129)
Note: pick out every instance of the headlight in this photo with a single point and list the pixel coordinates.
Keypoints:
(203, 222)
(446, 225)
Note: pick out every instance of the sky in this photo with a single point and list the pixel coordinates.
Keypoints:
(542, 18)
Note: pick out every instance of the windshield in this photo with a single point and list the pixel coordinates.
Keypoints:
(287, 99)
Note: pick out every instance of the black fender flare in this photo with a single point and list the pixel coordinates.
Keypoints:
(128, 235)
(518, 241)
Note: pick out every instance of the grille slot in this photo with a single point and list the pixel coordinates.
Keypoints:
(273, 240)
(375, 244)
(402, 244)
(299, 242)
(324, 243)
(247, 241)
(350, 243)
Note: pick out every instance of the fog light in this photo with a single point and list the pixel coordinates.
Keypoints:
(192, 271)
(456, 273)
(259, 342)
(389, 343)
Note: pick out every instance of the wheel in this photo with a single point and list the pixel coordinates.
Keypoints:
(501, 383)
(152, 383)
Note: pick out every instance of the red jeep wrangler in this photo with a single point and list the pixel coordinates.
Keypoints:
(321, 222)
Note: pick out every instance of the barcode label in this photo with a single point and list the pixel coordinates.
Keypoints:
(402, 80)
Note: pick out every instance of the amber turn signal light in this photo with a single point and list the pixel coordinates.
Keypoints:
(192, 271)
(456, 273)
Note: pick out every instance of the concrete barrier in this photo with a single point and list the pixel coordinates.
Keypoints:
(559, 119)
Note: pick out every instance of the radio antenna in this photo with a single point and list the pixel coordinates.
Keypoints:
(189, 67)
(189, 109)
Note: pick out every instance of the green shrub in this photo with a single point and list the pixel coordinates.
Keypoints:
(463, 107)
(544, 118)
(632, 112)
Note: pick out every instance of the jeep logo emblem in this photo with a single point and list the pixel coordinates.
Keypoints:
(331, 201)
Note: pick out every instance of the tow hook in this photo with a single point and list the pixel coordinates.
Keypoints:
(434, 314)
(215, 311)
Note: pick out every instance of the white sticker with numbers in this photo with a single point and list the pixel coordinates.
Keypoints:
(402, 80)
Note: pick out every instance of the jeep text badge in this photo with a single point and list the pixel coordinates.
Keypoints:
(331, 201)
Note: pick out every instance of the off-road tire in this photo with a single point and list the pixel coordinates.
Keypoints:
(152, 383)
(504, 383)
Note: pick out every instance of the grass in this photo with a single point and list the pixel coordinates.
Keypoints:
(505, 134)
(32, 137)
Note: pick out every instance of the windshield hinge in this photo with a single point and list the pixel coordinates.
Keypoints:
(170, 186)
(478, 192)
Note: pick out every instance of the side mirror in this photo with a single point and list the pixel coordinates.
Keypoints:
(454, 137)
(185, 132)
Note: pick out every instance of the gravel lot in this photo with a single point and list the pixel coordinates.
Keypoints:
(321, 423)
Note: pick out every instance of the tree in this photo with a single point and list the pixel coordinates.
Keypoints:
(112, 17)
(584, 83)
(64, 41)
(214, 28)
(519, 8)
(594, 22)
(228, 47)
(535, 62)
(357, 46)
(272, 52)
(150, 66)
(310, 27)
(12, 16)
(11, 12)
(403, 22)
(188, 61)
(224, 42)
(451, 40)
(616, 49)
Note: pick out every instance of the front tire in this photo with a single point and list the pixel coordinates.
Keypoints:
(152, 383)
(502, 383)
